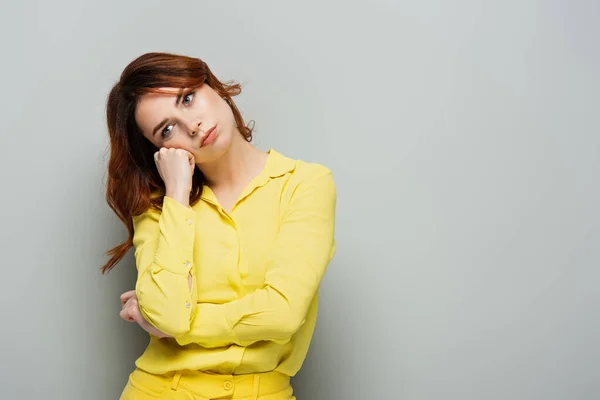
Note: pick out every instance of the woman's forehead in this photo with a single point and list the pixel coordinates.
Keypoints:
(163, 99)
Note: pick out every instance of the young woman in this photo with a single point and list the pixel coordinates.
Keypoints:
(230, 242)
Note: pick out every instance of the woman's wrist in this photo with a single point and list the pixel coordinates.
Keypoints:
(182, 196)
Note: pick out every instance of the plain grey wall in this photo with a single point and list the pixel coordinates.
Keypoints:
(465, 140)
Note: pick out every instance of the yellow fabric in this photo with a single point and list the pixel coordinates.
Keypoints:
(256, 272)
(203, 386)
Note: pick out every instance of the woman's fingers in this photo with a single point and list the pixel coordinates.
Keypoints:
(124, 314)
(126, 296)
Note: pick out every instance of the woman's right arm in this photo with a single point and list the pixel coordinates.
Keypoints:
(165, 288)
(164, 248)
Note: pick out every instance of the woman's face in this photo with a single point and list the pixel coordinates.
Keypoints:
(185, 120)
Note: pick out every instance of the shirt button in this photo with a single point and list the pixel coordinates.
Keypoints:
(228, 385)
(189, 221)
(187, 305)
(187, 263)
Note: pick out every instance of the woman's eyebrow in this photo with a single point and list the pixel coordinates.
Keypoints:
(161, 123)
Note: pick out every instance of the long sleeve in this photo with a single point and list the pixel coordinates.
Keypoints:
(295, 266)
(164, 243)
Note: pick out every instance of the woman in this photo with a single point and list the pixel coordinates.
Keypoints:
(230, 242)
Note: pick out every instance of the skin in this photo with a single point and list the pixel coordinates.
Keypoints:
(228, 162)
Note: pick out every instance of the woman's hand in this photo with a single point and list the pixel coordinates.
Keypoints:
(176, 168)
(130, 311)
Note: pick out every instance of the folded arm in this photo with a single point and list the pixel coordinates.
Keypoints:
(295, 266)
(165, 288)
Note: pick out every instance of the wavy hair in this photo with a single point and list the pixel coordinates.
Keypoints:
(133, 182)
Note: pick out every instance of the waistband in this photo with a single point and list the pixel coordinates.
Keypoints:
(211, 385)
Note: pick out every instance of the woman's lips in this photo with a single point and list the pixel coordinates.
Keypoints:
(210, 136)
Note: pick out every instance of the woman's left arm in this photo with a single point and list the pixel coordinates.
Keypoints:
(295, 266)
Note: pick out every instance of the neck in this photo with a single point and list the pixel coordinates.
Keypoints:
(236, 167)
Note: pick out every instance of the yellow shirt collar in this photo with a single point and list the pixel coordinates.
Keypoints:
(277, 165)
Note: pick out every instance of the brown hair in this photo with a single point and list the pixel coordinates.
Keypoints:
(133, 183)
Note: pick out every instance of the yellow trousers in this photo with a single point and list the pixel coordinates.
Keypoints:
(196, 385)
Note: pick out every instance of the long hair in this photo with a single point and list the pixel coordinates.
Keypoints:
(133, 182)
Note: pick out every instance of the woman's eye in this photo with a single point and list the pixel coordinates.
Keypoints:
(167, 131)
(188, 99)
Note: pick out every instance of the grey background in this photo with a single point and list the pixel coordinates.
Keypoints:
(464, 139)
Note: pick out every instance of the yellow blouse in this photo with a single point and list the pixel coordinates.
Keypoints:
(256, 273)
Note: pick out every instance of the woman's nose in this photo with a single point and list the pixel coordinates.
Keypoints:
(194, 128)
